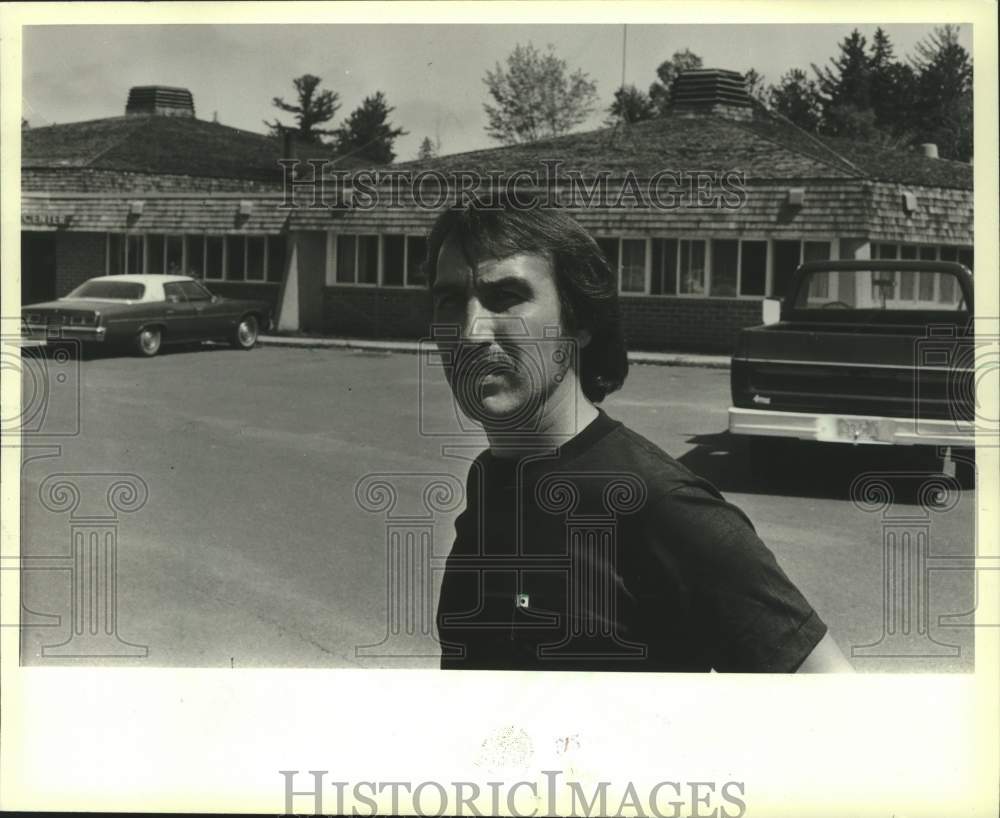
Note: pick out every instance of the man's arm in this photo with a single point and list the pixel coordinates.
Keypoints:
(825, 658)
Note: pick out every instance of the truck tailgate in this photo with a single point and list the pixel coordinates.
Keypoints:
(893, 371)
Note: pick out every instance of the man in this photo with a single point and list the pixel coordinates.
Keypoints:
(583, 546)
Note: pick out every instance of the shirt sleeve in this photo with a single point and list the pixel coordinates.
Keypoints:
(750, 614)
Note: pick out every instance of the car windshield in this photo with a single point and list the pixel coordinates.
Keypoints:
(123, 290)
(880, 290)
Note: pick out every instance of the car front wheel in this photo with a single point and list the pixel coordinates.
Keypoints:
(245, 335)
(148, 341)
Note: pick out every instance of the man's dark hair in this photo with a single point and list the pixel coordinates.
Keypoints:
(588, 290)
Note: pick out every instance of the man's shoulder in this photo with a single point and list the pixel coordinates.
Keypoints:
(626, 452)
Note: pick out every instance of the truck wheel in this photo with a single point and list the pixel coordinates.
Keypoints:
(148, 341)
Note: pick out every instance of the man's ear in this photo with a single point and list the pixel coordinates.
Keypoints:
(583, 337)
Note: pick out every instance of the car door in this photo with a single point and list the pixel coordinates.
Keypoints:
(179, 313)
(211, 316)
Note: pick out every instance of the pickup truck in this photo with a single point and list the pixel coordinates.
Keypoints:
(862, 353)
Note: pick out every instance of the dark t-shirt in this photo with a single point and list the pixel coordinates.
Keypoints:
(608, 554)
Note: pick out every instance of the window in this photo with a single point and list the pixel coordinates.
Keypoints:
(663, 278)
(195, 256)
(692, 267)
(175, 255)
(154, 254)
(725, 267)
(116, 254)
(134, 260)
(124, 290)
(633, 266)
(367, 272)
(357, 259)
(818, 251)
(393, 260)
(256, 249)
(346, 255)
(753, 267)
(193, 291)
(786, 261)
(215, 257)
(416, 255)
(173, 291)
(884, 287)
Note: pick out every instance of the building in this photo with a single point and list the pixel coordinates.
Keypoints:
(753, 196)
(157, 191)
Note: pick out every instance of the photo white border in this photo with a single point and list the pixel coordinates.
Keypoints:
(207, 740)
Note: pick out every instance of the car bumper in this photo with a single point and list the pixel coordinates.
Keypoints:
(39, 334)
(855, 429)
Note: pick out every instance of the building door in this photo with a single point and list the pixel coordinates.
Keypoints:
(38, 266)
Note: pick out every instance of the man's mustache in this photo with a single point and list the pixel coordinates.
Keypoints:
(479, 359)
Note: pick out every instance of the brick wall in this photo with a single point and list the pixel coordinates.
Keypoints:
(692, 324)
(703, 325)
(366, 312)
(79, 256)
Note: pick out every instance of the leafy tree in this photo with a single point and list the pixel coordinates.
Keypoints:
(314, 108)
(667, 72)
(631, 105)
(943, 97)
(796, 97)
(428, 149)
(367, 133)
(535, 96)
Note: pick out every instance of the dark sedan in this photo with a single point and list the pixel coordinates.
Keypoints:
(146, 311)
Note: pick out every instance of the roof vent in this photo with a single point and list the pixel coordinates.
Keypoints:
(930, 150)
(160, 100)
(711, 91)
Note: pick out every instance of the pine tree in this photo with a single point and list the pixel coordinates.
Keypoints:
(428, 149)
(796, 97)
(892, 89)
(313, 109)
(943, 104)
(845, 90)
(366, 132)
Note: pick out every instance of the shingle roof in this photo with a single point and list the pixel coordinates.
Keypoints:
(156, 144)
(903, 165)
(764, 147)
(673, 143)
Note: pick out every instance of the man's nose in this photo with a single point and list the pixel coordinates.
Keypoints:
(479, 323)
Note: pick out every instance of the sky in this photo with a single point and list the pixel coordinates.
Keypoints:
(432, 74)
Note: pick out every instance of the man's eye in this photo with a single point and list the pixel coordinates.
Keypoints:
(509, 298)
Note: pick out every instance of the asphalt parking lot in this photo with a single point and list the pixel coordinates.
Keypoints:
(256, 546)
